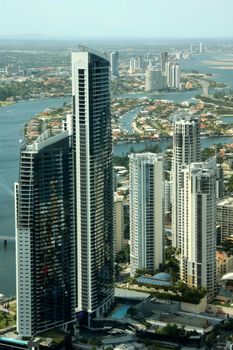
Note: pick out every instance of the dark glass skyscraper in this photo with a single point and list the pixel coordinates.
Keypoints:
(94, 191)
(45, 245)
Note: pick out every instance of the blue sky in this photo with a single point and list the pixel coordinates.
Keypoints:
(118, 18)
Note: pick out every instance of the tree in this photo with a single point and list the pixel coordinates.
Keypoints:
(171, 330)
(208, 153)
(121, 161)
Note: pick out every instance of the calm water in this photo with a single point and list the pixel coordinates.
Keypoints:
(172, 96)
(126, 120)
(120, 311)
(227, 119)
(124, 149)
(12, 119)
(200, 64)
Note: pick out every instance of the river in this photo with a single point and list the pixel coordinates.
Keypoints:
(125, 148)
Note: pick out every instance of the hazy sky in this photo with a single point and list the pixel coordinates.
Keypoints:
(119, 18)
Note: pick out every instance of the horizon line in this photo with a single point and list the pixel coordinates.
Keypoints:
(35, 36)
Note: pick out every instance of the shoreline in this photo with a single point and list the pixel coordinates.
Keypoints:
(6, 104)
(9, 103)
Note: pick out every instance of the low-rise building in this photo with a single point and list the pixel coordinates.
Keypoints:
(224, 264)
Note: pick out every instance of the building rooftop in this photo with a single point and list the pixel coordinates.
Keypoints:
(226, 202)
(147, 156)
(227, 276)
(45, 139)
(160, 279)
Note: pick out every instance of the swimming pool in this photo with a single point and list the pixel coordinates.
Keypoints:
(120, 311)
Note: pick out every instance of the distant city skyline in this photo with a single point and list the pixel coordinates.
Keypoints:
(117, 18)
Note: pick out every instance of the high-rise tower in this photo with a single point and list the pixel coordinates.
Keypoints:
(93, 181)
(164, 59)
(45, 245)
(175, 76)
(155, 80)
(114, 63)
(186, 149)
(146, 212)
(119, 240)
(198, 225)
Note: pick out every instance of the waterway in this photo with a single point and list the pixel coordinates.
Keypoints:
(126, 148)
(187, 95)
(205, 63)
(127, 119)
(227, 119)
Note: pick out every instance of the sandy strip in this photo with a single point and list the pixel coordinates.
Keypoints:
(219, 63)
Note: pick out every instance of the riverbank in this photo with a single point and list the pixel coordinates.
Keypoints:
(164, 139)
(37, 98)
(123, 149)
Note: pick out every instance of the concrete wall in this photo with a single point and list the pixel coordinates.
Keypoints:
(194, 308)
(169, 306)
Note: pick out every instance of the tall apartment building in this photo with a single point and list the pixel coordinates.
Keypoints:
(201, 47)
(146, 212)
(197, 208)
(164, 60)
(225, 218)
(168, 72)
(186, 149)
(45, 242)
(135, 65)
(167, 194)
(114, 56)
(93, 181)
(193, 48)
(220, 182)
(175, 76)
(119, 222)
(155, 80)
(172, 71)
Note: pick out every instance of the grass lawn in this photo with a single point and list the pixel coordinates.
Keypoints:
(5, 103)
(12, 307)
(55, 334)
(6, 320)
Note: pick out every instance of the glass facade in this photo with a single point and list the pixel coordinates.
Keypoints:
(94, 191)
(45, 237)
